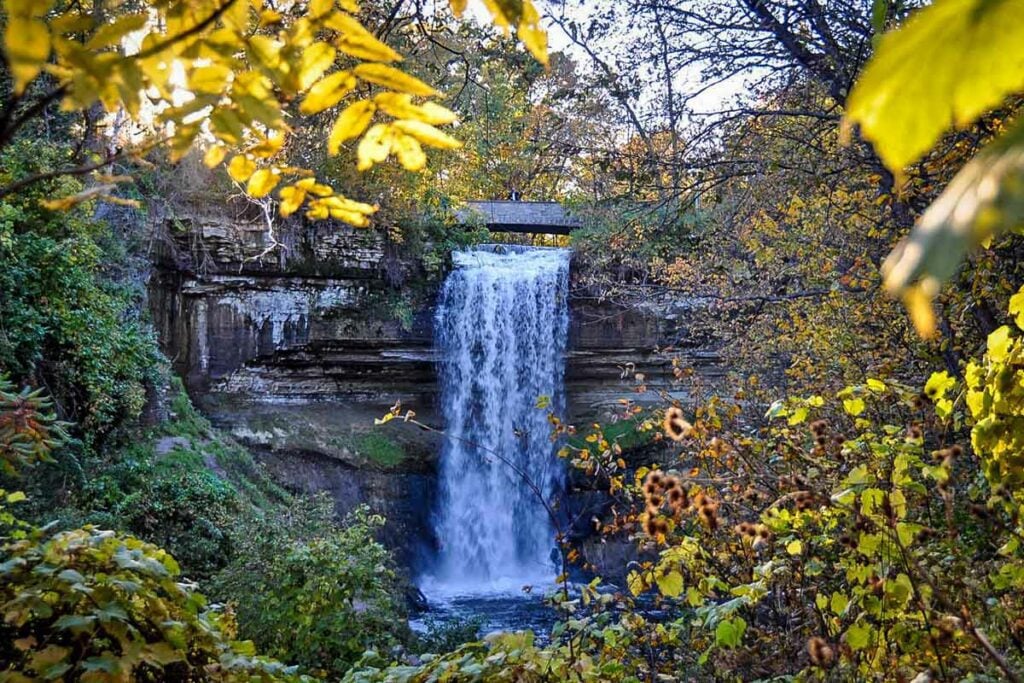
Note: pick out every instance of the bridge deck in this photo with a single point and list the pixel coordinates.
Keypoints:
(548, 218)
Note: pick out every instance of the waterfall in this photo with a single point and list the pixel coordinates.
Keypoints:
(502, 325)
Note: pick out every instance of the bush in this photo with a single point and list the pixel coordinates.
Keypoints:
(311, 593)
(93, 605)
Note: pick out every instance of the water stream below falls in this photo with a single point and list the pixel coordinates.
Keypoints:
(502, 325)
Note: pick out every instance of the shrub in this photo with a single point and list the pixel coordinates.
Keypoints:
(93, 605)
(311, 593)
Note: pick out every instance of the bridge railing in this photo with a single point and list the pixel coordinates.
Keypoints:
(520, 216)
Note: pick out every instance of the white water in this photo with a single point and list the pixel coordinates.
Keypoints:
(502, 325)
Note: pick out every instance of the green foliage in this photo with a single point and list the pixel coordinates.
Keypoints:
(172, 500)
(995, 396)
(62, 324)
(93, 605)
(311, 593)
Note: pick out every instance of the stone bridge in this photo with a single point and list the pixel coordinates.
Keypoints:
(549, 218)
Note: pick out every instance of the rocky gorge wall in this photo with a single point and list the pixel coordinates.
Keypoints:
(296, 349)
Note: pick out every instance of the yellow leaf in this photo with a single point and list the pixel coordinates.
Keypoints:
(227, 126)
(27, 42)
(501, 19)
(458, 7)
(262, 182)
(291, 199)
(794, 547)
(350, 124)
(854, 406)
(111, 34)
(269, 17)
(214, 155)
(318, 8)
(265, 51)
(374, 147)
(327, 92)
(269, 146)
(27, 9)
(392, 78)
(240, 168)
(534, 37)
(65, 203)
(354, 40)
(427, 134)
(339, 203)
(436, 115)
(318, 212)
(70, 23)
(400, 106)
(350, 217)
(671, 584)
(210, 79)
(918, 300)
(316, 59)
(236, 18)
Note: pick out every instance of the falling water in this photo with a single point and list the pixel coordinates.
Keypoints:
(501, 332)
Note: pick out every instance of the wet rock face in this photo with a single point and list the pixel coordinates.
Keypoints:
(296, 349)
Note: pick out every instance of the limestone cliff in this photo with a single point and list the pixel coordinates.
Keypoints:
(293, 343)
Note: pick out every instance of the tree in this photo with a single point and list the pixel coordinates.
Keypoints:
(233, 72)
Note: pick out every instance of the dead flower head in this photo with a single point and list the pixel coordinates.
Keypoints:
(676, 426)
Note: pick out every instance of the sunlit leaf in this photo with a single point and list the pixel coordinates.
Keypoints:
(853, 406)
(671, 584)
(986, 197)
(392, 78)
(316, 59)
(327, 92)
(209, 79)
(240, 168)
(27, 43)
(427, 134)
(262, 182)
(375, 146)
(112, 33)
(291, 199)
(949, 63)
(400, 106)
(1016, 308)
(350, 124)
(534, 37)
(355, 41)
(409, 152)
(214, 155)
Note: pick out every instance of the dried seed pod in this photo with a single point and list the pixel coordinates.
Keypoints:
(675, 425)
(821, 652)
